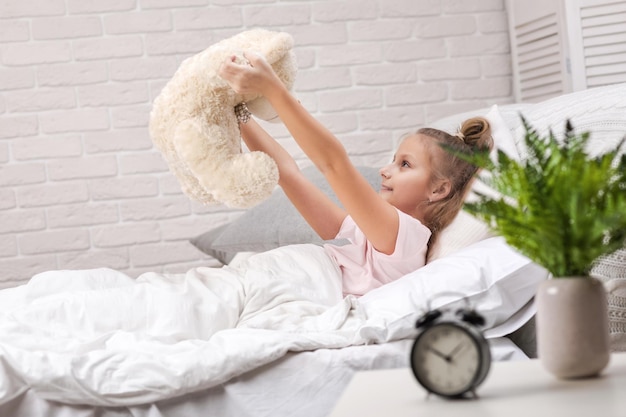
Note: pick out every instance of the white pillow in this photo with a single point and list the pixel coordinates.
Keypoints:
(600, 110)
(492, 277)
(465, 229)
(501, 133)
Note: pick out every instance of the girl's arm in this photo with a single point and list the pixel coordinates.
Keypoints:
(320, 212)
(375, 217)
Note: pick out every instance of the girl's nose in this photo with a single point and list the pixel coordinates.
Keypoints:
(384, 172)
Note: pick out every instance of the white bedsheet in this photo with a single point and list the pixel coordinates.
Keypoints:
(98, 337)
(304, 384)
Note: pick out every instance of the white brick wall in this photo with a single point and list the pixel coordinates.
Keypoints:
(81, 185)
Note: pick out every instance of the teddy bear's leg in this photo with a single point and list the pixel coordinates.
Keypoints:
(237, 179)
(249, 178)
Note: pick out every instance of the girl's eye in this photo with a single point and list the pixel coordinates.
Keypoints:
(406, 164)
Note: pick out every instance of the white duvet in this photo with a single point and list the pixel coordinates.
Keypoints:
(98, 337)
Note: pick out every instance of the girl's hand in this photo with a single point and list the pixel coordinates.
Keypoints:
(254, 77)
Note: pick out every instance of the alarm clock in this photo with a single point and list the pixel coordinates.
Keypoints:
(450, 356)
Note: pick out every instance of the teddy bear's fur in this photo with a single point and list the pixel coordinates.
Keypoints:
(193, 123)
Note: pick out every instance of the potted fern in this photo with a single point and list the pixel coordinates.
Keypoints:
(563, 209)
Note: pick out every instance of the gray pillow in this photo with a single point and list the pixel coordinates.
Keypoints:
(273, 223)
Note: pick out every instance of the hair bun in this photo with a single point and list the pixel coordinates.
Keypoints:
(476, 132)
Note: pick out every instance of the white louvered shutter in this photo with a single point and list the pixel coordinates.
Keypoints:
(559, 46)
(603, 33)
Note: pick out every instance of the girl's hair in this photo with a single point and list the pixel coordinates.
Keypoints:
(473, 135)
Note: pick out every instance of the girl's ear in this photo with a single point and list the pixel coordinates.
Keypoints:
(440, 190)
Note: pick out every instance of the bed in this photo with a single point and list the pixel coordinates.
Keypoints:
(297, 348)
(97, 341)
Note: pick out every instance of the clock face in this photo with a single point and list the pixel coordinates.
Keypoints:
(447, 359)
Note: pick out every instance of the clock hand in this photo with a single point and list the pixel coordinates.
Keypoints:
(456, 350)
(446, 358)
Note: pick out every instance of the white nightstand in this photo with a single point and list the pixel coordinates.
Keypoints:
(520, 388)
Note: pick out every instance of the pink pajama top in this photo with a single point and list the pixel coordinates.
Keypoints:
(363, 268)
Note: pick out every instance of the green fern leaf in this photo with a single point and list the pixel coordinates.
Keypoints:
(559, 206)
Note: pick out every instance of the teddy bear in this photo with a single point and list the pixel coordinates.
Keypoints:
(194, 125)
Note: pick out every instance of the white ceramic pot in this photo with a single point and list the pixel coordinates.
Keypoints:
(572, 327)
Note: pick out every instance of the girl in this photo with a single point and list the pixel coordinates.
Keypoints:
(389, 231)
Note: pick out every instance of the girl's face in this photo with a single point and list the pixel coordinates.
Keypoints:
(406, 182)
